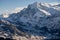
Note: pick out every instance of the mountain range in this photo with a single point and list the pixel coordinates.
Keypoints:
(38, 19)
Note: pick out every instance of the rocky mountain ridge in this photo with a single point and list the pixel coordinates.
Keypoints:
(38, 19)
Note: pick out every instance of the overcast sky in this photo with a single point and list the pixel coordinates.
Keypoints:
(6, 5)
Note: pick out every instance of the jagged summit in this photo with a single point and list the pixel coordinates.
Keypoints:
(39, 19)
(58, 5)
(54, 4)
(36, 4)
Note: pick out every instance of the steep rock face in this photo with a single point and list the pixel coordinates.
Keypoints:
(35, 13)
(39, 19)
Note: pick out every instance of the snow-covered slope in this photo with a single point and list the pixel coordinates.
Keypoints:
(39, 19)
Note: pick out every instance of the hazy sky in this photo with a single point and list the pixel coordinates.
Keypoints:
(6, 5)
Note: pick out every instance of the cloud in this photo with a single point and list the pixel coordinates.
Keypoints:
(18, 9)
(10, 11)
(13, 10)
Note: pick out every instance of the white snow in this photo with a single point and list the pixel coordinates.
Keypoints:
(46, 4)
(54, 3)
(38, 18)
(47, 13)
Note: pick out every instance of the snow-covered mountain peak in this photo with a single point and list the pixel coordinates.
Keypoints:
(57, 5)
(54, 4)
(36, 4)
(40, 7)
(35, 20)
(45, 4)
